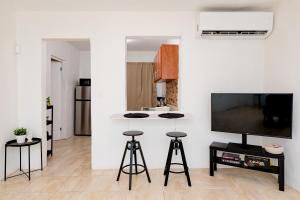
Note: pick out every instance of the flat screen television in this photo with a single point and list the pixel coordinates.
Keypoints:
(252, 114)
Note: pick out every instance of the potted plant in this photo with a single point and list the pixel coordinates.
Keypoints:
(20, 134)
(48, 100)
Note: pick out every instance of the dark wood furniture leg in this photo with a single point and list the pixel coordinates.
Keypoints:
(281, 174)
(215, 163)
(211, 162)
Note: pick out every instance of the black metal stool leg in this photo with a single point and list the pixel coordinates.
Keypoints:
(169, 154)
(5, 163)
(144, 163)
(186, 169)
(123, 158)
(20, 159)
(130, 165)
(176, 146)
(29, 161)
(169, 163)
(135, 159)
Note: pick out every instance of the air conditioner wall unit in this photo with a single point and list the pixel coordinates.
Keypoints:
(235, 25)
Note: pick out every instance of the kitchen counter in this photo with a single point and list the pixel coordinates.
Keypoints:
(154, 141)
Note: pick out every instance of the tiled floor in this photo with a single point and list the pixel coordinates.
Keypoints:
(68, 176)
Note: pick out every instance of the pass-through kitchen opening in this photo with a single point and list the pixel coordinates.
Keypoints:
(152, 73)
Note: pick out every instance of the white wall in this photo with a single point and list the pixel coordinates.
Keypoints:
(205, 66)
(140, 56)
(70, 56)
(282, 70)
(85, 64)
(8, 86)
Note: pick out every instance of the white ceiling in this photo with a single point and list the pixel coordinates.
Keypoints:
(142, 5)
(81, 45)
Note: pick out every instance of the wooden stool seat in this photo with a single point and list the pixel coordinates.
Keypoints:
(133, 133)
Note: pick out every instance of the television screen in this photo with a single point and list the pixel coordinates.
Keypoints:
(254, 114)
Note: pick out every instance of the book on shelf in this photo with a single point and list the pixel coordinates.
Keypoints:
(231, 158)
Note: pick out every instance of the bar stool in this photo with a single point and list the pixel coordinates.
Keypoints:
(176, 144)
(133, 145)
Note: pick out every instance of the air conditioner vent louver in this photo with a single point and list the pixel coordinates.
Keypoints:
(235, 25)
(231, 33)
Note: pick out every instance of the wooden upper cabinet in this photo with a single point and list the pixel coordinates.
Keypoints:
(166, 62)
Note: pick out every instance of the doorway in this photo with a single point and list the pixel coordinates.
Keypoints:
(67, 67)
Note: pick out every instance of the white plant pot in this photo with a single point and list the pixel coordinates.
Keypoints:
(20, 139)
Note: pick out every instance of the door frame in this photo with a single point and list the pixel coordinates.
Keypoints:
(56, 58)
(44, 62)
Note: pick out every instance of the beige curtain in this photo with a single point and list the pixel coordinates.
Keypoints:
(140, 82)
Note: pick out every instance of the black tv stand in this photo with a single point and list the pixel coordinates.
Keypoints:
(244, 145)
(249, 150)
(244, 141)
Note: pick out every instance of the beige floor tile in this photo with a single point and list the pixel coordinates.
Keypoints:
(76, 184)
(103, 196)
(66, 196)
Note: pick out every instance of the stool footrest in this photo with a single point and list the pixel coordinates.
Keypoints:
(133, 171)
(176, 172)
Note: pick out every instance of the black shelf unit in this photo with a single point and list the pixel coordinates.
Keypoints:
(271, 169)
(246, 150)
(50, 136)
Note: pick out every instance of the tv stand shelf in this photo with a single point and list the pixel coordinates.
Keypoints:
(249, 150)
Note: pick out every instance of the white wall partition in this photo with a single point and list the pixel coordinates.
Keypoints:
(8, 85)
(206, 66)
(85, 64)
(282, 69)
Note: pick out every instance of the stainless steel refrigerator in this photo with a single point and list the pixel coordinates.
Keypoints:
(82, 120)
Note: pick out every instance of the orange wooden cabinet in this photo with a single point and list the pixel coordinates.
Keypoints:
(166, 63)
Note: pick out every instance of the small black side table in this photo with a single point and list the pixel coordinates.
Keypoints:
(13, 143)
